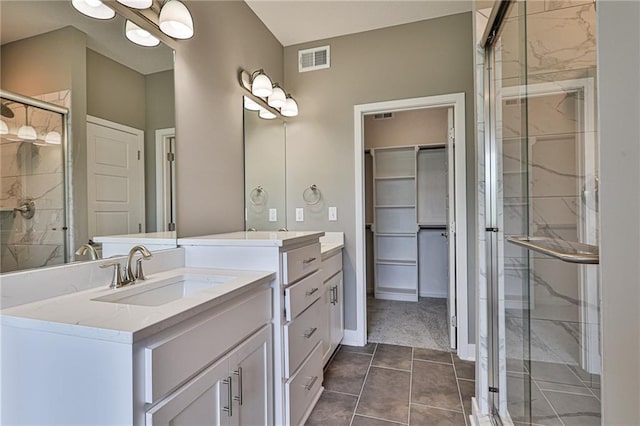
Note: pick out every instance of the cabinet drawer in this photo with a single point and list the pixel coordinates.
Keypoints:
(166, 362)
(300, 336)
(302, 389)
(331, 265)
(300, 262)
(302, 294)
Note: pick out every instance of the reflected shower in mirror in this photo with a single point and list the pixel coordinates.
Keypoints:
(118, 163)
(264, 165)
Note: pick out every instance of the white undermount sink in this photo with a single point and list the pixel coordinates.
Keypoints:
(165, 291)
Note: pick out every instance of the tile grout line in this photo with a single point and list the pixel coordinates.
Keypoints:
(363, 383)
(392, 368)
(589, 388)
(455, 375)
(568, 393)
(410, 386)
(383, 420)
(435, 362)
(439, 408)
(340, 393)
(535, 383)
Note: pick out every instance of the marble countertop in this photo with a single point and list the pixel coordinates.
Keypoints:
(331, 243)
(248, 238)
(165, 237)
(78, 315)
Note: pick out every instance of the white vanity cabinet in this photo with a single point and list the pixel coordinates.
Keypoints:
(235, 390)
(332, 300)
(299, 320)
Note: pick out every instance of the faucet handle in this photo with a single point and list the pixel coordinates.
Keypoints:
(139, 274)
(116, 279)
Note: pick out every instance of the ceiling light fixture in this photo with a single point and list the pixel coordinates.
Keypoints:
(4, 129)
(175, 20)
(26, 132)
(53, 138)
(290, 108)
(251, 105)
(261, 85)
(93, 8)
(277, 98)
(267, 115)
(137, 4)
(139, 36)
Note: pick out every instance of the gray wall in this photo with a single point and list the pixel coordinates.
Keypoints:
(160, 114)
(48, 63)
(619, 106)
(420, 59)
(209, 153)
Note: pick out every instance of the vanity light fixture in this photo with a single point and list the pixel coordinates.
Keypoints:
(251, 105)
(53, 138)
(93, 8)
(139, 36)
(290, 108)
(175, 20)
(4, 129)
(267, 115)
(261, 85)
(278, 98)
(137, 4)
(26, 132)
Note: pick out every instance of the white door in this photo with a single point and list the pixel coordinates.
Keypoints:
(115, 179)
(252, 389)
(451, 233)
(205, 400)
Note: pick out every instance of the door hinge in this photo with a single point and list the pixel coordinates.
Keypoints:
(454, 321)
(452, 133)
(139, 227)
(493, 389)
(172, 226)
(171, 156)
(138, 154)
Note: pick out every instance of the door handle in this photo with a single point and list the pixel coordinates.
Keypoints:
(238, 373)
(229, 408)
(445, 234)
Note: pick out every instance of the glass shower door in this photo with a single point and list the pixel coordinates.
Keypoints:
(544, 151)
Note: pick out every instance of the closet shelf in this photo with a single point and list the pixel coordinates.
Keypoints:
(395, 234)
(395, 177)
(396, 262)
(397, 206)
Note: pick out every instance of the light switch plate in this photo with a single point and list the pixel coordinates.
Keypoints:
(299, 214)
(333, 214)
(273, 215)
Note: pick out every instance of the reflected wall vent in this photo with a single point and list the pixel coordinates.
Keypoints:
(383, 116)
(316, 58)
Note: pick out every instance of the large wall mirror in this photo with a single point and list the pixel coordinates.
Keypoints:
(265, 179)
(111, 170)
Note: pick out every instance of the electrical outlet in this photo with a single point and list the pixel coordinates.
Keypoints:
(333, 214)
(299, 214)
(273, 215)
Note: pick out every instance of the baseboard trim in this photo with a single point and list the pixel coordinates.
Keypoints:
(476, 417)
(467, 352)
(352, 338)
(434, 294)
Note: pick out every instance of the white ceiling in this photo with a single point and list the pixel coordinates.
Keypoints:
(21, 19)
(300, 21)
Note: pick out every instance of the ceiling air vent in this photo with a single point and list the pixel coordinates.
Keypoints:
(383, 116)
(313, 59)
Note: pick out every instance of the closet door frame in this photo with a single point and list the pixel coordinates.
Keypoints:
(465, 349)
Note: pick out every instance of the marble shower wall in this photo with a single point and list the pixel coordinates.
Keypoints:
(32, 170)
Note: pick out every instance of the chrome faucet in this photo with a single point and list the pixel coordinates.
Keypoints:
(83, 249)
(139, 273)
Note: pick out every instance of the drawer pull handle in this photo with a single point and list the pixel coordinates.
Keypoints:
(229, 408)
(309, 385)
(334, 293)
(238, 373)
(313, 290)
(309, 260)
(309, 333)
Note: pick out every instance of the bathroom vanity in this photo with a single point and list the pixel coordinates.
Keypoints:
(300, 305)
(186, 346)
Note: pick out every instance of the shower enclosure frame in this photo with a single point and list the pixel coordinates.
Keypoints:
(67, 169)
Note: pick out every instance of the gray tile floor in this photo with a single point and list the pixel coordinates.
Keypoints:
(386, 385)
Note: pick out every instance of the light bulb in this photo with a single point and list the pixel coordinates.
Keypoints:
(261, 85)
(4, 129)
(251, 105)
(93, 8)
(27, 133)
(137, 4)
(277, 98)
(267, 115)
(290, 108)
(53, 138)
(139, 36)
(175, 20)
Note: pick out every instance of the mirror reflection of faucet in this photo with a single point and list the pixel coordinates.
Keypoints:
(27, 208)
(88, 248)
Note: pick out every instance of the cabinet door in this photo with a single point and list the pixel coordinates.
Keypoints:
(202, 401)
(325, 325)
(251, 370)
(336, 313)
